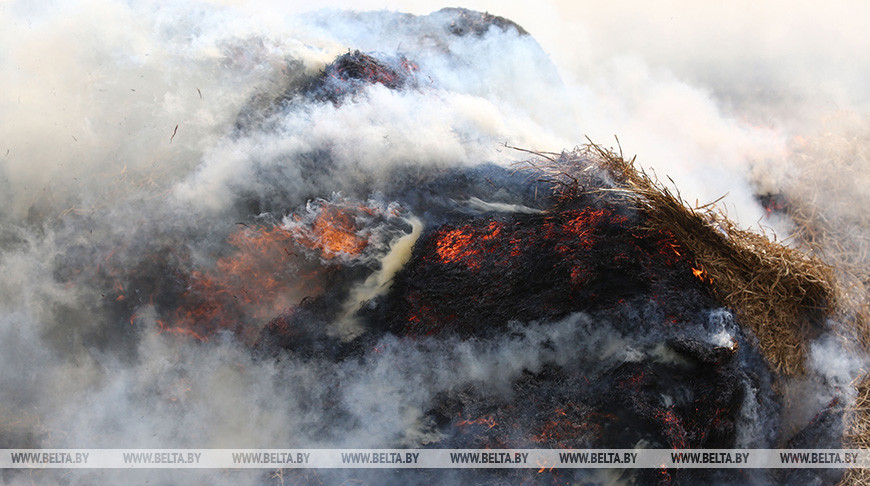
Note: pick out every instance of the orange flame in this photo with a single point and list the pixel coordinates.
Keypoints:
(333, 232)
(266, 274)
(701, 274)
(254, 283)
(544, 466)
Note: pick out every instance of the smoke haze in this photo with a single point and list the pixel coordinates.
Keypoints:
(135, 133)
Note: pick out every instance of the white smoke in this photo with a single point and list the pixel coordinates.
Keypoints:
(118, 131)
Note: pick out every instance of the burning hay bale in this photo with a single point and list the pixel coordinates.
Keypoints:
(781, 294)
(352, 266)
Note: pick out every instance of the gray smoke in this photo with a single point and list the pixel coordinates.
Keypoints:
(119, 137)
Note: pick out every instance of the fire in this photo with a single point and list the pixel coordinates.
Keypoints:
(250, 286)
(487, 420)
(580, 228)
(773, 203)
(571, 253)
(260, 271)
(569, 427)
(468, 245)
(702, 275)
(568, 233)
(334, 231)
(265, 272)
(544, 466)
(180, 330)
(456, 245)
(669, 247)
(676, 430)
(664, 475)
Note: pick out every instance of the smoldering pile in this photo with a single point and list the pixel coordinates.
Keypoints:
(658, 353)
(620, 297)
(576, 304)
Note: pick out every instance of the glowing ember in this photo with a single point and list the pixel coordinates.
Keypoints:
(570, 426)
(571, 232)
(454, 246)
(487, 421)
(674, 427)
(581, 225)
(468, 245)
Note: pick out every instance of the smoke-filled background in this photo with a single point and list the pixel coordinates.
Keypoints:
(138, 139)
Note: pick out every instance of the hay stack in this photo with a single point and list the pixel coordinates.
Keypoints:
(781, 294)
(827, 200)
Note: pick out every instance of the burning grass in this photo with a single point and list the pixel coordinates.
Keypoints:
(780, 293)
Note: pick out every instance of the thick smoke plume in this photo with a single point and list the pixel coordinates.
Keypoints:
(168, 172)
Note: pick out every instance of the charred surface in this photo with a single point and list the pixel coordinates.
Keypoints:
(355, 70)
(476, 275)
(470, 22)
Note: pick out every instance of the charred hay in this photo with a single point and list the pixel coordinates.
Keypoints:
(782, 294)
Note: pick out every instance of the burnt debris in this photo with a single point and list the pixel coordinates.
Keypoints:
(471, 22)
(352, 71)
